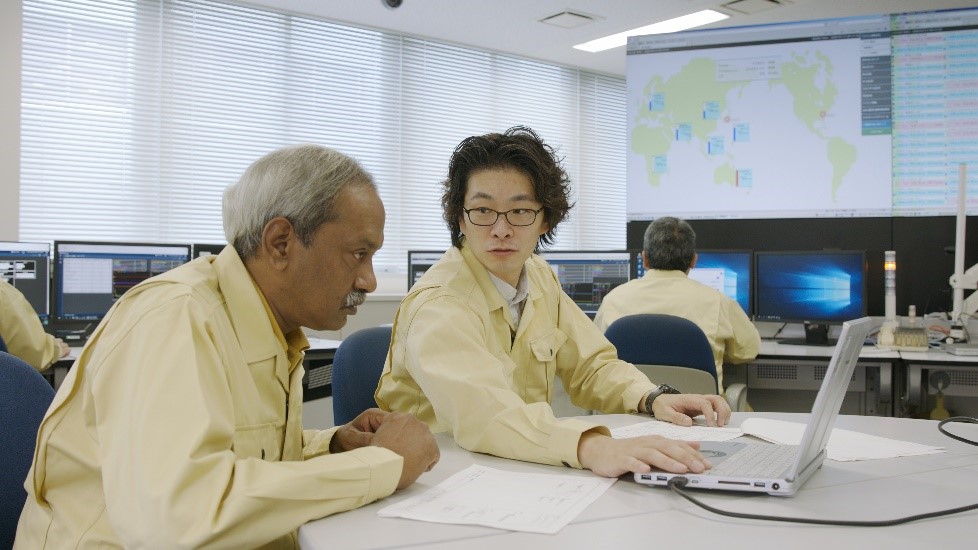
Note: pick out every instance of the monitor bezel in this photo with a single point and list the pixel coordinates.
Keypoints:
(630, 257)
(212, 248)
(57, 276)
(749, 252)
(758, 258)
(45, 317)
(410, 272)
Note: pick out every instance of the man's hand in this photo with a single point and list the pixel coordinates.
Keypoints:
(613, 457)
(62, 347)
(409, 437)
(679, 409)
(358, 433)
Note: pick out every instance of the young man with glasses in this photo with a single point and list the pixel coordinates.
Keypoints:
(481, 338)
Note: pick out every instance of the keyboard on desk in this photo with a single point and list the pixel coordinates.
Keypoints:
(758, 460)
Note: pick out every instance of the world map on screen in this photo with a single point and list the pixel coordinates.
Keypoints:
(763, 130)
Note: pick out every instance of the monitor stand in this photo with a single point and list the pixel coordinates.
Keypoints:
(816, 334)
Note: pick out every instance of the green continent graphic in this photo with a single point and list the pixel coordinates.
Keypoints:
(842, 155)
(674, 113)
(812, 103)
(684, 96)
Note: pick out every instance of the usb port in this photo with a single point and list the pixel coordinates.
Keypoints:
(759, 484)
(647, 477)
(660, 478)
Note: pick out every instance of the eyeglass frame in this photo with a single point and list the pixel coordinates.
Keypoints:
(505, 214)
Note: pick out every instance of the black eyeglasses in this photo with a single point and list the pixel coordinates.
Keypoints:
(487, 216)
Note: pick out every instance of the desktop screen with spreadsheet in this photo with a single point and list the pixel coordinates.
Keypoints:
(91, 276)
(588, 276)
(25, 266)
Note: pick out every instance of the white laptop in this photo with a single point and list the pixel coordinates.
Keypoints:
(781, 469)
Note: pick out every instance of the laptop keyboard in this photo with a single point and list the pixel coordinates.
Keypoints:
(758, 460)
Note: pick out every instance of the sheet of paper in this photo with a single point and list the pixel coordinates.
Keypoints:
(672, 431)
(844, 445)
(536, 503)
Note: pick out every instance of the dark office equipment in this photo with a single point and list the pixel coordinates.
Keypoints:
(419, 261)
(587, 276)
(818, 288)
(26, 267)
(90, 276)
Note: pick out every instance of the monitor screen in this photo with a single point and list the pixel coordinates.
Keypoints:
(25, 266)
(91, 276)
(419, 261)
(821, 287)
(862, 116)
(588, 276)
(728, 271)
(206, 249)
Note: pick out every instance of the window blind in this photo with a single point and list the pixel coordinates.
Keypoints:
(137, 114)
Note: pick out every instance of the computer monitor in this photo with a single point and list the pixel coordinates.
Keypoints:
(90, 276)
(587, 276)
(419, 261)
(207, 249)
(26, 267)
(728, 271)
(817, 288)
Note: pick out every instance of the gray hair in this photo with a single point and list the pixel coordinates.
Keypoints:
(669, 244)
(299, 183)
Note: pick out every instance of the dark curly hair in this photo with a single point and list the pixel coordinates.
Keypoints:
(519, 148)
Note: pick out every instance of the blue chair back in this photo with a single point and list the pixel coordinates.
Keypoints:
(24, 398)
(357, 366)
(660, 339)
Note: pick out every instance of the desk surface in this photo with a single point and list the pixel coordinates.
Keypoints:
(633, 516)
(771, 348)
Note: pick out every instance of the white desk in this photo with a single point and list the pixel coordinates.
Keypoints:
(786, 378)
(962, 372)
(632, 516)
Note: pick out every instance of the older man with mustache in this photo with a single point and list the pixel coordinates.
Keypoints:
(180, 425)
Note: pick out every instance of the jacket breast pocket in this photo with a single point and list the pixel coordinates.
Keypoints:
(263, 441)
(545, 348)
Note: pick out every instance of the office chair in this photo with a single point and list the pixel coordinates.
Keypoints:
(672, 350)
(357, 365)
(24, 398)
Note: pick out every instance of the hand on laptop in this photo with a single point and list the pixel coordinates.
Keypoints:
(679, 409)
(613, 457)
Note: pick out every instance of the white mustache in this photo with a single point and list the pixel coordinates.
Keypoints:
(355, 298)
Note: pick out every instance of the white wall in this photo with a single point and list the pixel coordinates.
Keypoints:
(10, 48)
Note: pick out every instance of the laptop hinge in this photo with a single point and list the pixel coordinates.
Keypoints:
(813, 463)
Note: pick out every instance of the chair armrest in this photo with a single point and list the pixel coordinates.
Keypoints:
(736, 396)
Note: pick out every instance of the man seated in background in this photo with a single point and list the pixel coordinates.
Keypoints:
(480, 339)
(180, 425)
(668, 253)
(22, 332)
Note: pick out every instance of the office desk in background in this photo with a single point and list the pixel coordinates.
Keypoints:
(633, 516)
(923, 368)
(786, 378)
(316, 383)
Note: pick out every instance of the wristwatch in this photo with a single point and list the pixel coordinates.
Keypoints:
(659, 390)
